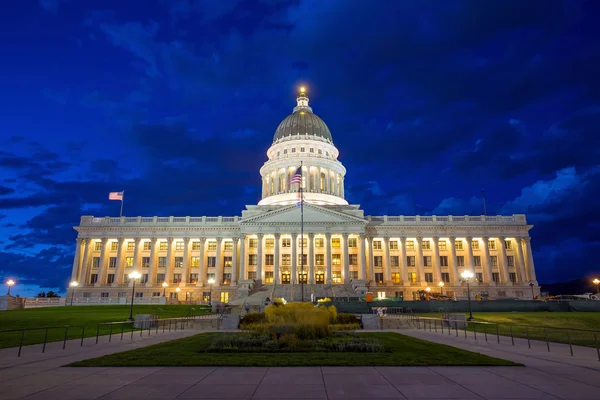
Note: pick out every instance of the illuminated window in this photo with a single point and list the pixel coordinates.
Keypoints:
(179, 246)
(336, 259)
(492, 244)
(458, 245)
(162, 262)
(410, 245)
(226, 278)
(225, 297)
(304, 242)
(196, 245)
(336, 277)
(508, 245)
(98, 246)
(228, 246)
(442, 245)
(335, 242)
(395, 277)
(412, 277)
(269, 243)
(302, 259)
(114, 246)
(147, 246)
(352, 243)
(286, 242)
(320, 259)
(319, 243)
(129, 262)
(163, 246)
(475, 244)
(253, 243)
(268, 276)
(195, 262)
(376, 244)
(212, 246)
(393, 245)
(227, 261)
(130, 246)
(252, 258)
(426, 245)
(410, 261)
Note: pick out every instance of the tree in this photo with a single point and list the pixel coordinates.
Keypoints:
(52, 294)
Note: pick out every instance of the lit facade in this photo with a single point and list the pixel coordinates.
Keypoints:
(343, 251)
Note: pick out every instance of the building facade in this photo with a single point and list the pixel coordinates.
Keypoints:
(342, 251)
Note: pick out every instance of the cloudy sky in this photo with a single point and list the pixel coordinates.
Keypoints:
(176, 102)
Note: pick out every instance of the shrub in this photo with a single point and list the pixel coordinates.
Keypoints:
(332, 314)
(343, 318)
(324, 300)
(346, 327)
(253, 318)
(279, 301)
(303, 319)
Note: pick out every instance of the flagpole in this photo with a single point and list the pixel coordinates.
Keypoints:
(122, 198)
(301, 234)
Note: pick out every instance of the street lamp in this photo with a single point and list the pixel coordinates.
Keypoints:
(73, 285)
(178, 290)
(427, 289)
(441, 285)
(467, 276)
(531, 285)
(10, 283)
(210, 281)
(164, 285)
(133, 276)
(597, 282)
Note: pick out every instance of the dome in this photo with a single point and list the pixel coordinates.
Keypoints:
(302, 122)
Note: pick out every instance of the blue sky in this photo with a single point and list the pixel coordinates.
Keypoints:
(176, 103)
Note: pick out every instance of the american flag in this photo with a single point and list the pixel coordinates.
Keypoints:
(297, 177)
(115, 196)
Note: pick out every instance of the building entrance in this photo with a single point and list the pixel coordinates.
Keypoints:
(320, 278)
(285, 278)
(302, 277)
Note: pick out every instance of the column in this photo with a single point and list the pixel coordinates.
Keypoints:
(453, 264)
(153, 263)
(371, 259)
(76, 260)
(276, 259)
(259, 258)
(437, 268)
(387, 268)
(363, 257)
(136, 255)
(328, 257)
(419, 261)
(502, 264)
(487, 263)
(346, 277)
(102, 268)
(402, 262)
(294, 258)
(85, 262)
(311, 258)
(469, 262)
(520, 260)
(243, 275)
(169, 273)
(219, 263)
(119, 268)
(530, 265)
(201, 264)
(234, 261)
(185, 278)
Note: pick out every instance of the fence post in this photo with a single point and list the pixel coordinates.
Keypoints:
(442, 325)
(485, 332)
(570, 345)
(132, 330)
(82, 335)
(547, 342)
(45, 338)
(164, 325)
(497, 334)
(21, 342)
(65, 340)
(596, 340)
(169, 325)
(110, 334)
(456, 327)
(511, 335)
(475, 330)
(527, 332)
(97, 333)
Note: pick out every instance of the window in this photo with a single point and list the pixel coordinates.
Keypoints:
(251, 259)
(428, 277)
(176, 278)
(496, 277)
(293, 149)
(98, 246)
(112, 262)
(195, 262)
(381, 295)
(426, 245)
(352, 243)
(410, 261)
(475, 244)
(377, 244)
(477, 261)
(129, 262)
(395, 277)
(227, 261)
(156, 294)
(144, 278)
(212, 261)
(196, 245)
(410, 245)
(478, 277)
(178, 262)
(268, 276)
(378, 261)
(510, 261)
(445, 277)
(252, 243)
(353, 259)
(147, 246)
(179, 246)
(442, 244)
(212, 246)
(228, 246)
(443, 261)
(160, 278)
(302, 259)
(122, 294)
(460, 261)
(104, 295)
(319, 243)
(336, 259)
(312, 149)
(513, 277)
(269, 243)
(302, 149)
(379, 277)
(193, 278)
(353, 274)
(394, 261)
(145, 262)
(210, 276)
(163, 246)
(130, 246)
(492, 244)
(494, 261)
(269, 258)
(139, 294)
(303, 242)
(327, 153)
(412, 277)
(87, 295)
(286, 259)
(393, 245)
(335, 242)
(399, 295)
(162, 262)
(508, 245)
(458, 245)
(286, 242)
(225, 297)
(427, 261)
(110, 278)
(320, 151)
(227, 278)
(95, 262)
(320, 259)
(114, 246)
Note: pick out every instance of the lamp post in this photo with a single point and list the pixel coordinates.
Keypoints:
(177, 290)
(441, 285)
(531, 285)
(164, 285)
(10, 283)
(427, 289)
(73, 286)
(133, 276)
(210, 281)
(597, 282)
(467, 276)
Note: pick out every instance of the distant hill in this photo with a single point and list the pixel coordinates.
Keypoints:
(577, 286)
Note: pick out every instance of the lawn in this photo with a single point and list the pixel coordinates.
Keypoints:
(76, 315)
(192, 351)
(540, 324)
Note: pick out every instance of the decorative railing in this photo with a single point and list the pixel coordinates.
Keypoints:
(135, 221)
(517, 219)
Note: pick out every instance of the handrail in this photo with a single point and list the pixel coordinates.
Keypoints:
(41, 328)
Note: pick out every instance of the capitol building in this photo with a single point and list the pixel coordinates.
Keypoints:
(332, 250)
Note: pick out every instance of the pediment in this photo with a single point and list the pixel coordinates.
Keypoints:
(313, 214)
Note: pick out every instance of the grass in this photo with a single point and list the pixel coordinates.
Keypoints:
(192, 351)
(543, 322)
(76, 315)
